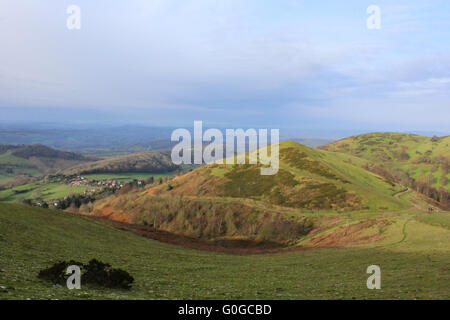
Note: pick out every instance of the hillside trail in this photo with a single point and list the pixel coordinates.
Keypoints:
(398, 194)
(414, 205)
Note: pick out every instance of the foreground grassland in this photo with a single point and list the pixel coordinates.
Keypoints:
(414, 256)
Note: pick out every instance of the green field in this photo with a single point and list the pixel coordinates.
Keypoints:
(41, 191)
(19, 165)
(414, 259)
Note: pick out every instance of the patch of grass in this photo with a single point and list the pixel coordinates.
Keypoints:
(436, 219)
(40, 191)
(246, 181)
(300, 160)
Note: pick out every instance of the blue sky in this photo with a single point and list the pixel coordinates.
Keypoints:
(310, 66)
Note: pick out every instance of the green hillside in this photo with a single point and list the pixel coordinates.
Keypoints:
(19, 164)
(404, 155)
(414, 259)
(308, 179)
(217, 202)
(414, 161)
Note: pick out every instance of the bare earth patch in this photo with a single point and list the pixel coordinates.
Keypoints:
(349, 235)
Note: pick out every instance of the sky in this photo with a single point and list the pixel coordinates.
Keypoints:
(305, 66)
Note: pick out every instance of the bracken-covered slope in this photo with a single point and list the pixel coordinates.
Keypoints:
(404, 156)
(236, 202)
(307, 179)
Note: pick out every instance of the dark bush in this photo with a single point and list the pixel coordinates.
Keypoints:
(57, 273)
(95, 273)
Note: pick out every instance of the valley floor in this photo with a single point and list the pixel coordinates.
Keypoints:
(413, 254)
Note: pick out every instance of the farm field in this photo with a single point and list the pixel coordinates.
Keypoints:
(39, 190)
(414, 255)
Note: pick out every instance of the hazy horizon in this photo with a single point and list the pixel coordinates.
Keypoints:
(289, 64)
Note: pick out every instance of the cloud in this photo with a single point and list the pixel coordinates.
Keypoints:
(287, 63)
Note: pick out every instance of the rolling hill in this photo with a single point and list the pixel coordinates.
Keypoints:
(20, 162)
(150, 161)
(235, 201)
(308, 179)
(413, 160)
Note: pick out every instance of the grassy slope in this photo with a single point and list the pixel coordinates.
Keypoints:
(414, 261)
(21, 166)
(368, 185)
(384, 148)
(40, 190)
(37, 165)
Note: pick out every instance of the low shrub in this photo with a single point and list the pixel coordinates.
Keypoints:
(95, 273)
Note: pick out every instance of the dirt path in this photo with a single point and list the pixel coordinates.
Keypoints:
(398, 194)
(414, 205)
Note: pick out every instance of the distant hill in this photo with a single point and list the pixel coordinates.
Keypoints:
(150, 161)
(18, 163)
(39, 150)
(77, 139)
(418, 161)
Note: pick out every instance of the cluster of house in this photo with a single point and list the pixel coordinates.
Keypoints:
(97, 187)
